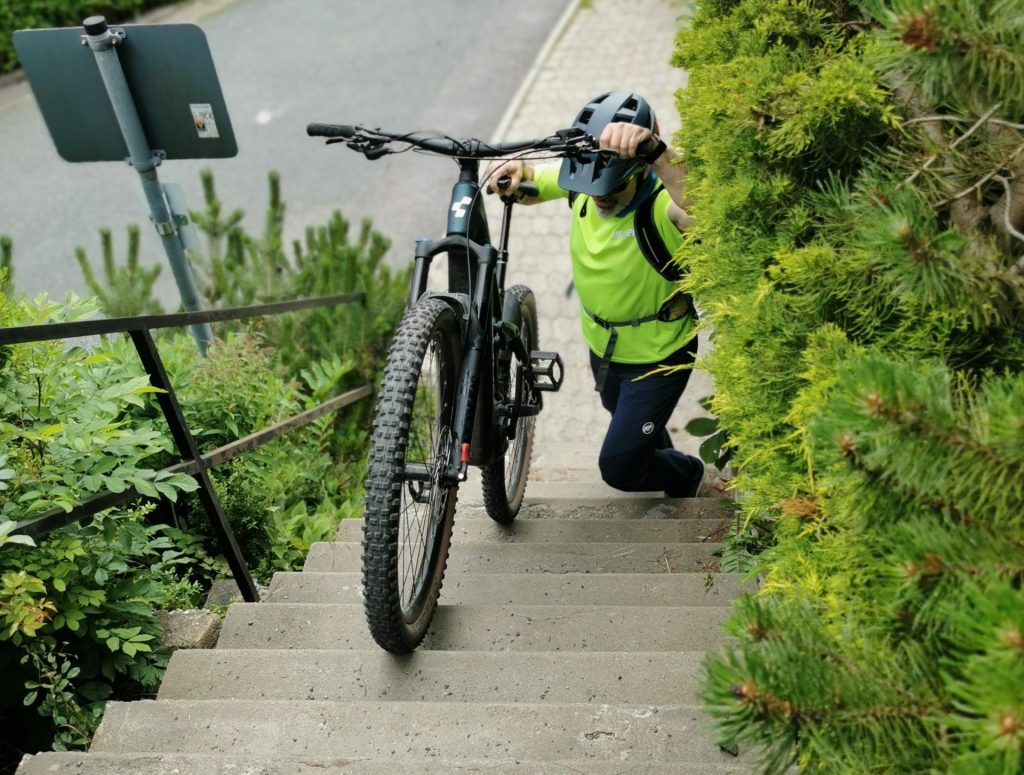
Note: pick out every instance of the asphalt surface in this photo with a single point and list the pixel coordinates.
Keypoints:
(405, 65)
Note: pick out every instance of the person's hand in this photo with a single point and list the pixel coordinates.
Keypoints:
(515, 169)
(623, 138)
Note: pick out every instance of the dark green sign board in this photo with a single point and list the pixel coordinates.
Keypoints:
(171, 77)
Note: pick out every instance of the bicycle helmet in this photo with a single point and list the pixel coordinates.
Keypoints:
(593, 173)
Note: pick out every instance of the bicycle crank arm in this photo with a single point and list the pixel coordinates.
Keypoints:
(546, 370)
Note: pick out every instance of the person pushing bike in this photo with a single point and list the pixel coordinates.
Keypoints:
(628, 212)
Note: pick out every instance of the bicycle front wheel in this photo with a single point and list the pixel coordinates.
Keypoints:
(409, 511)
(504, 480)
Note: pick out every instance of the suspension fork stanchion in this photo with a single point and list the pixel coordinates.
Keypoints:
(421, 268)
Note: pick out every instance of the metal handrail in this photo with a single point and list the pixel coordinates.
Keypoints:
(193, 461)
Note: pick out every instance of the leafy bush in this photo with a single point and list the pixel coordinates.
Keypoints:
(856, 171)
(68, 422)
(36, 14)
(76, 623)
(76, 614)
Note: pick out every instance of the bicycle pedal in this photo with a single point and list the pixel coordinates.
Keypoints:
(547, 370)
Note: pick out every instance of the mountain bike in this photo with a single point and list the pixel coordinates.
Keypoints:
(462, 387)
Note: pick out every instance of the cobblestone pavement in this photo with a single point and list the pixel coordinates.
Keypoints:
(604, 45)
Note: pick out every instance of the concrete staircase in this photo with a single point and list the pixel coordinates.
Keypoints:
(569, 642)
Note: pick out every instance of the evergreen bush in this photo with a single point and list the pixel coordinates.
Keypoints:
(857, 173)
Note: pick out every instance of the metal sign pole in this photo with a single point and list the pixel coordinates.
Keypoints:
(103, 42)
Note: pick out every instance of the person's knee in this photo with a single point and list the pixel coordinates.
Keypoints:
(623, 472)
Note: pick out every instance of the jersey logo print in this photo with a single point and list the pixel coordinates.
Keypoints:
(459, 208)
(648, 428)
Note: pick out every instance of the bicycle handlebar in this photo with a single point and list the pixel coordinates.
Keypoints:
(343, 131)
(372, 142)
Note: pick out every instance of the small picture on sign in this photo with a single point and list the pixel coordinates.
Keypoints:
(202, 117)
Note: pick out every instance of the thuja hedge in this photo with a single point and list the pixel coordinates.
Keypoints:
(34, 14)
(857, 175)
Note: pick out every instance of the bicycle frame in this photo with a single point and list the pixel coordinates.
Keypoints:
(476, 285)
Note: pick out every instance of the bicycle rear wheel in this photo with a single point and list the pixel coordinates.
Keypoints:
(409, 513)
(504, 480)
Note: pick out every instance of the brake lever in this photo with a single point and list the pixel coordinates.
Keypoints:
(584, 143)
(371, 149)
(376, 152)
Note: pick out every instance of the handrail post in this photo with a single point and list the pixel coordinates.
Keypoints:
(189, 452)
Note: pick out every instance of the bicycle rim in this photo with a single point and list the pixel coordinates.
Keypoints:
(504, 481)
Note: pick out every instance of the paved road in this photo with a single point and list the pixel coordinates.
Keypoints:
(448, 65)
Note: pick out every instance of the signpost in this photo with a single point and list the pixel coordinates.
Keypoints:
(141, 94)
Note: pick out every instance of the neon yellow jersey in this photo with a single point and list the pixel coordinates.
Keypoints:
(614, 280)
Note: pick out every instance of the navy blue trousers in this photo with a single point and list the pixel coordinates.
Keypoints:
(637, 453)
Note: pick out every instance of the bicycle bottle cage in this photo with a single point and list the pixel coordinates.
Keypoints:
(547, 370)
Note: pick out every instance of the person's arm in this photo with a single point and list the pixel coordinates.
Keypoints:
(625, 139)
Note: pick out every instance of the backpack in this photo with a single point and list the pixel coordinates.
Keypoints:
(657, 254)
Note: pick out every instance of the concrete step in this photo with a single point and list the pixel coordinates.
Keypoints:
(410, 731)
(652, 678)
(582, 472)
(540, 491)
(95, 763)
(483, 628)
(553, 531)
(617, 506)
(636, 589)
(573, 455)
(493, 557)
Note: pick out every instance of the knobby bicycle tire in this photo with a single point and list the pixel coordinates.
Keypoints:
(408, 519)
(504, 481)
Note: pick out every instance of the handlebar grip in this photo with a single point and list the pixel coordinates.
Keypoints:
(526, 187)
(529, 188)
(343, 131)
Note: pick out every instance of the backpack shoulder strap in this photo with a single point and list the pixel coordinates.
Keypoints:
(650, 242)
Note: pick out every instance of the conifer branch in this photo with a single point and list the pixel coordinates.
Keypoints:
(858, 462)
(994, 173)
(958, 120)
(934, 503)
(966, 213)
(1008, 188)
(974, 128)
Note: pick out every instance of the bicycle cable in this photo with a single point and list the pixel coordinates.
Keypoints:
(528, 153)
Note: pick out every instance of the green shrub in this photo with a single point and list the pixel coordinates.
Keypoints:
(76, 612)
(76, 616)
(36, 14)
(855, 170)
(69, 420)
(128, 290)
